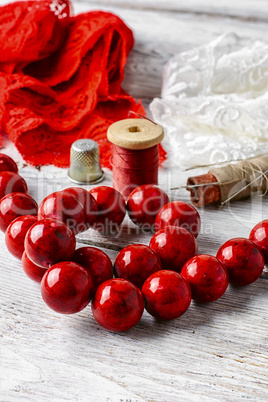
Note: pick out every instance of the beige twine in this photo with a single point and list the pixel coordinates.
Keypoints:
(242, 179)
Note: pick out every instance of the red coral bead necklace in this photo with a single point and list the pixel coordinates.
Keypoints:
(163, 277)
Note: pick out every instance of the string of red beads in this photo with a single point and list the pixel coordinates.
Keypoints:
(162, 278)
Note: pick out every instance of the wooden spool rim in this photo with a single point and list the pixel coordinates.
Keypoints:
(135, 133)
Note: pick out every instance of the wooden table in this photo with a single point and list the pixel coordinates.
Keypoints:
(214, 352)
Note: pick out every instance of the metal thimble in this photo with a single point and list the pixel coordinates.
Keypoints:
(85, 162)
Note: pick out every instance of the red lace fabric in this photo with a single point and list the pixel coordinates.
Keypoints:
(60, 78)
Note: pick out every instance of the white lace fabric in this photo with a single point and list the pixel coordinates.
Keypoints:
(214, 103)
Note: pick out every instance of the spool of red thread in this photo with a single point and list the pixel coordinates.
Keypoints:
(135, 153)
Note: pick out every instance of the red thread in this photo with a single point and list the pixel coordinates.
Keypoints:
(132, 168)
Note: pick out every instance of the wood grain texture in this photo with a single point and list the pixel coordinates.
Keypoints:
(215, 352)
(246, 9)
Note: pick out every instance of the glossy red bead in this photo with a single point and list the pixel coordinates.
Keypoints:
(14, 205)
(67, 287)
(207, 277)
(88, 202)
(259, 235)
(135, 263)
(96, 262)
(179, 213)
(16, 232)
(167, 295)
(243, 260)
(11, 182)
(117, 305)
(144, 203)
(49, 241)
(7, 164)
(64, 207)
(111, 208)
(175, 246)
(32, 270)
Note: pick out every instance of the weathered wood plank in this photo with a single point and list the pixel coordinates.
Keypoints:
(247, 9)
(214, 352)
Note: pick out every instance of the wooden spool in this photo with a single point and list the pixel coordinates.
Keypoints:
(138, 136)
(135, 133)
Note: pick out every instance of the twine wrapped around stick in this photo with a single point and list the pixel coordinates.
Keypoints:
(230, 182)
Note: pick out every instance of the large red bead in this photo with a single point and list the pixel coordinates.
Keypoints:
(179, 213)
(11, 182)
(111, 209)
(144, 203)
(259, 235)
(207, 277)
(16, 232)
(67, 287)
(175, 246)
(135, 263)
(7, 164)
(64, 207)
(49, 241)
(32, 270)
(167, 295)
(14, 205)
(88, 201)
(243, 260)
(96, 262)
(117, 305)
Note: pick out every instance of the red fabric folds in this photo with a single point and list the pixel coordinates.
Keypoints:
(60, 78)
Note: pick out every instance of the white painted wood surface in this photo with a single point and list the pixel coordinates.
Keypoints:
(214, 352)
(249, 9)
